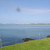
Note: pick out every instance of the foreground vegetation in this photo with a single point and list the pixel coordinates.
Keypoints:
(43, 44)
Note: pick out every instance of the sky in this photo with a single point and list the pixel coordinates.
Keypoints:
(31, 11)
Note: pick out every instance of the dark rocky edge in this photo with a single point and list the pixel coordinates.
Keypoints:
(27, 39)
(48, 36)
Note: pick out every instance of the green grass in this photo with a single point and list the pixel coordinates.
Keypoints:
(43, 44)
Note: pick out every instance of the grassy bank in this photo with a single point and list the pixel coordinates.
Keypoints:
(43, 44)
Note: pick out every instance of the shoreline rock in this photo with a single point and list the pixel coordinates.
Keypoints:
(48, 36)
(27, 39)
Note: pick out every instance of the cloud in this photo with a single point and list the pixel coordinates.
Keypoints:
(28, 10)
(35, 10)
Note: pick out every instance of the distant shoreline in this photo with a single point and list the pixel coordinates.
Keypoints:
(24, 24)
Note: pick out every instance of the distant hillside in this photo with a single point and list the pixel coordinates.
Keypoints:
(43, 44)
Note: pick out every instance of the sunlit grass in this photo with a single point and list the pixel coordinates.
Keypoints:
(43, 44)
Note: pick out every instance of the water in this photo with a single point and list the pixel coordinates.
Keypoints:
(12, 34)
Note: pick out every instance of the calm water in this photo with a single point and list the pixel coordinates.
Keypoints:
(11, 34)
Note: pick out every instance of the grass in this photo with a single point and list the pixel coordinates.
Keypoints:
(43, 44)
